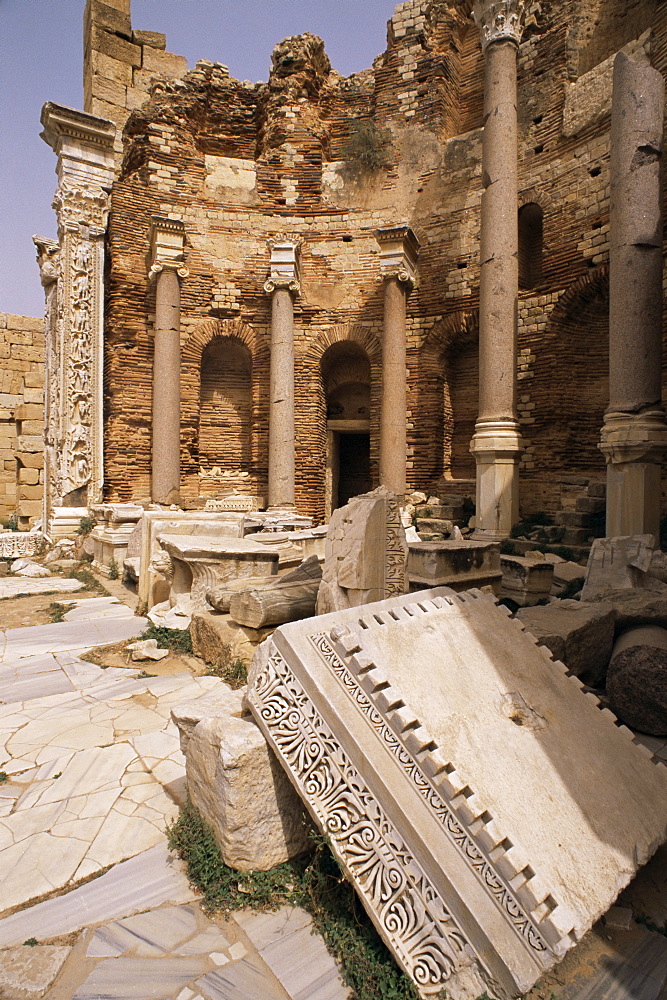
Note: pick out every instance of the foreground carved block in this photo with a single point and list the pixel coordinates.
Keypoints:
(486, 811)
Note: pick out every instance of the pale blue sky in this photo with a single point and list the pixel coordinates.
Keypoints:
(41, 60)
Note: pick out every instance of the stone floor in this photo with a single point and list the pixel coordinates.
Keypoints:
(94, 775)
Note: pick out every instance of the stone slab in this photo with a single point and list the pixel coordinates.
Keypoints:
(152, 878)
(444, 755)
(11, 587)
(27, 972)
(581, 635)
(619, 563)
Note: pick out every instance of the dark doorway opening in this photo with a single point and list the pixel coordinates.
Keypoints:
(354, 466)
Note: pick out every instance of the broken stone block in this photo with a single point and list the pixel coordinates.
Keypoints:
(525, 581)
(28, 972)
(242, 792)
(220, 701)
(219, 597)
(456, 564)
(366, 553)
(637, 679)
(287, 598)
(579, 635)
(619, 563)
(147, 649)
(448, 759)
(566, 573)
(203, 562)
(215, 636)
(635, 607)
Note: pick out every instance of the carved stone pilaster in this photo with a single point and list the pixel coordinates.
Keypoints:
(74, 319)
(499, 20)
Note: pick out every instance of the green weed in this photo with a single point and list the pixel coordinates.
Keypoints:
(58, 611)
(233, 672)
(31, 942)
(3, 777)
(89, 581)
(317, 883)
(365, 152)
(176, 639)
(113, 569)
(86, 525)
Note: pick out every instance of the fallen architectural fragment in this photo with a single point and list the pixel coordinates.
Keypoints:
(486, 811)
(637, 679)
(460, 565)
(366, 553)
(580, 635)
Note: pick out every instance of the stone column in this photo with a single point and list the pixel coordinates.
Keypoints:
(399, 249)
(167, 241)
(496, 441)
(634, 436)
(282, 284)
(75, 310)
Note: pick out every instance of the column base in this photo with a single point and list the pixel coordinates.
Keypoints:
(496, 446)
(634, 445)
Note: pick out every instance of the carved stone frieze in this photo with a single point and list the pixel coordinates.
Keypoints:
(79, 205)
(499, 20)
(438, 748)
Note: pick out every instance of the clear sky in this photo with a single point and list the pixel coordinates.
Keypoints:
(41, 59)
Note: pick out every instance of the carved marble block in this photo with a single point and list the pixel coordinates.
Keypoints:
(486, 810)
(365, 554)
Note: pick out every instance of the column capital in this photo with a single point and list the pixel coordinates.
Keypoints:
(399, 251)
(499, 20)
(285, 252)
(167, 246)
(276, 282)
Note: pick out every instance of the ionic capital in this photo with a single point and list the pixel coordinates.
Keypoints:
(167, 246)
(167, 265)
(276, 282)
(399, 251)
(499, 20)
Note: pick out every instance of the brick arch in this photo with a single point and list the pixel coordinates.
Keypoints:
(255, 342)
(446, 390)
(311, 417)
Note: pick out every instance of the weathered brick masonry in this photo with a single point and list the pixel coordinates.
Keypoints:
(21, 418)
(240, 163)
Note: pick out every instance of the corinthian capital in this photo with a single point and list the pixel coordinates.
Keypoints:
(498, 20)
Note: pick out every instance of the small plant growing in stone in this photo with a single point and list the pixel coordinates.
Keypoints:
(58, 611)
(13, 522)
(31, 942)
(176, 639)
(113, 569)
(86, 525)
(365, 152)
(3, 777)
(233, 672)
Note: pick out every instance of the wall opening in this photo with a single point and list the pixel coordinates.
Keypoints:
(531, 238)
(345, 372)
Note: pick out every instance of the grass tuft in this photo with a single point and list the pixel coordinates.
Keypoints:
(176, 639)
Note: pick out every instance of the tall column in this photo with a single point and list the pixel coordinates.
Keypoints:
(496, 441)
(75, 310)
(634, 436)
(399, 249)
(282, 284)
(167, 256)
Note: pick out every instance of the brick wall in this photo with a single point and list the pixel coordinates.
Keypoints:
(239, 163)
(21, 418)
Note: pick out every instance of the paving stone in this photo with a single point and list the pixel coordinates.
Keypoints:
(140, 978)
(150, 879)
(248, 979)
(63, 636)
(10, 586)
(28, 972)
(147, 935)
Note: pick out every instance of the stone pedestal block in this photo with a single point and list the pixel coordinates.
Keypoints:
(526, 581)
(202, 562)
(242, 792)
(111, 536)
(459, 565)
(496, 446)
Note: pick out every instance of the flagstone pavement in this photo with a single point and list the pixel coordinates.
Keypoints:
(94, 776)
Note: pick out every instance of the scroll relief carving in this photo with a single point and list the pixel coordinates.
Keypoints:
(394, 551)
(477, 859)
(85, 205)
(426, 938)
(79, 367)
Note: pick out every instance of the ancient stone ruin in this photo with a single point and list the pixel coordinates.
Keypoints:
(333, 368)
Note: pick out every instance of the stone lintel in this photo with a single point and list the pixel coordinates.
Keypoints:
(167, 245)
(499, 20)
(62, 123)
(399, 251)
